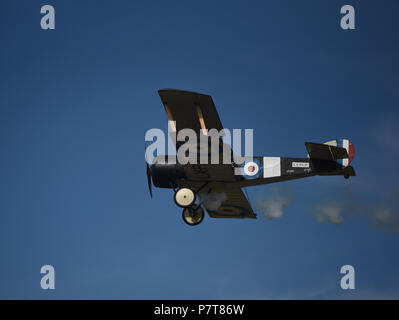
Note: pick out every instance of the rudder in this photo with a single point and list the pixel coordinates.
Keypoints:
(344, 143)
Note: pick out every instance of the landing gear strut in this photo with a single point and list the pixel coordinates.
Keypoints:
(193, 215)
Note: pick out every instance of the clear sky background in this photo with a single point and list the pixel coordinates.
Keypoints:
(75, 104)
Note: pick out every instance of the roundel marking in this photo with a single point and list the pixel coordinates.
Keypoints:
(251, 169)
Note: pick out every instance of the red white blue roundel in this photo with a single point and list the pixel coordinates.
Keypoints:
(251, 169)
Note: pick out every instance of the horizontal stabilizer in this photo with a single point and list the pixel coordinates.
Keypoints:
(325, 151)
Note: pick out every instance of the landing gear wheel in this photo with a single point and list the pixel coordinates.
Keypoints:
(193, 215)
(184, 197)
(346, 176)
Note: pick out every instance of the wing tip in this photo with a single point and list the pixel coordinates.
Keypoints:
(179, 91)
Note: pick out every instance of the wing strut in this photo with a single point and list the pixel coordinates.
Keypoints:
(201, 120)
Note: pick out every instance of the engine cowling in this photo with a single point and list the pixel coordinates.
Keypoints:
(166, 174)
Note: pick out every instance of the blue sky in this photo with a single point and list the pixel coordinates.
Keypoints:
(75, 104)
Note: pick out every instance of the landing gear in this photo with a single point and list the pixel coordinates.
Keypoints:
(184, 197)
(346, 176)
(193, 215)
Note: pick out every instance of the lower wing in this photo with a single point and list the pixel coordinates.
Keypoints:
(222, 201)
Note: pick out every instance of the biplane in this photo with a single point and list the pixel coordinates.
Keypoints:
(216, 188)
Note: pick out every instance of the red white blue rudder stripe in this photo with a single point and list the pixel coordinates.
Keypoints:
(344, 143)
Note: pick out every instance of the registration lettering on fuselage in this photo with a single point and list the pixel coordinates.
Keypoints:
(300, 164)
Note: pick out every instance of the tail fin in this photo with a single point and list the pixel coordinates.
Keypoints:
(344, 143)
(341, 150)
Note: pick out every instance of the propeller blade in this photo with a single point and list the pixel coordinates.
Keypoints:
(149, 179)
(148, 173)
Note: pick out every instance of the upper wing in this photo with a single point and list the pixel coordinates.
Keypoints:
(190, 110)
(234, 204)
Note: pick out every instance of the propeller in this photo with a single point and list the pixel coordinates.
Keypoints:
(148, 175)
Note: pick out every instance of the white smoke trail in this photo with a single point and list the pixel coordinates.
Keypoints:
(385, 219)
(212, 201)
(278, 199)
(328, 212)
(382, 217)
